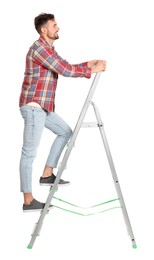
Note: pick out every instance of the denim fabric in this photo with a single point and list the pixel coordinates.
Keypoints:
(35, 119)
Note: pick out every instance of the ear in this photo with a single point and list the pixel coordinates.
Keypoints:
(43, 30)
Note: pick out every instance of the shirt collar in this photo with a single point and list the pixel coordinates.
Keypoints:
(41, 39)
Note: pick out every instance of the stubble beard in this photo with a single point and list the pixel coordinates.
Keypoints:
(55, 37)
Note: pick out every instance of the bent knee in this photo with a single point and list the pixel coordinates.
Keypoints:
(69, 132)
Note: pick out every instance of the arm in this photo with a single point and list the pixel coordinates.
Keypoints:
(94, 65)
(49, 59)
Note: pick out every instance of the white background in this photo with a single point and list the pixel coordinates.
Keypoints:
(121, 32)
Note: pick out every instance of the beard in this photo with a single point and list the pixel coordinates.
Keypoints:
(53, 37)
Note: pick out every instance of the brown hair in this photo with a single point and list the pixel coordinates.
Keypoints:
(42, 19)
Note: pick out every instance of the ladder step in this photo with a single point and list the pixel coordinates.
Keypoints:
(89, 124)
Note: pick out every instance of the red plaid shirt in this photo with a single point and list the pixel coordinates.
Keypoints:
(43, 64)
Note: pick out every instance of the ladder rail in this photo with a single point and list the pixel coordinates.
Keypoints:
(114, 175)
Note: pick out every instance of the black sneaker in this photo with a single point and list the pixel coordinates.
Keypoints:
(34, 206)
(49, 181)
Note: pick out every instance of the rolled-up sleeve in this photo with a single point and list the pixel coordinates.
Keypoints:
(48, 58)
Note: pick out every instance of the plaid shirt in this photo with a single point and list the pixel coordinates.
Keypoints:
(43, 64)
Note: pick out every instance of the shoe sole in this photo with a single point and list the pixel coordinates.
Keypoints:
(35, 210)
(52, 184)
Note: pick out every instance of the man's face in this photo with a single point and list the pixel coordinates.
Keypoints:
(52, 30)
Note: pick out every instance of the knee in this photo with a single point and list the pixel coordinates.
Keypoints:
(69, 132)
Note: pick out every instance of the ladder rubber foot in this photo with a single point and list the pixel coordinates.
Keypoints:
(29, 246)
(134, 246)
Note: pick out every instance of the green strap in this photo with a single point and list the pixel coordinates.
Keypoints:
(74, 205)
(87, 214)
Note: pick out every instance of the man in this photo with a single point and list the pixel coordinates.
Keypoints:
(43, 64)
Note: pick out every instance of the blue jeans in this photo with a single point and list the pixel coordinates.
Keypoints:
(35, 119)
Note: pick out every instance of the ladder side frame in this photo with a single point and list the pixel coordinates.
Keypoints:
(114, 175)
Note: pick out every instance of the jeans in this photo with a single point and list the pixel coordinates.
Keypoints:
(35, 119)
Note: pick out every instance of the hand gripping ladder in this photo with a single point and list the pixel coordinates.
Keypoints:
(80, 124)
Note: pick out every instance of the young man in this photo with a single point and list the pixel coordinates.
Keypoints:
(43, 64)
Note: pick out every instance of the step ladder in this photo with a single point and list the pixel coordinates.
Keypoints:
(53, 189)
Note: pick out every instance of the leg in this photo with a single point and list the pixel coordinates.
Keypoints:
(63, 132)
(34, 121)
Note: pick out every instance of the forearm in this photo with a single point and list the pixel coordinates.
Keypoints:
(68, 70)
(75, 70)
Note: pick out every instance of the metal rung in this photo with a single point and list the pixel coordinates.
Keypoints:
(89, 124)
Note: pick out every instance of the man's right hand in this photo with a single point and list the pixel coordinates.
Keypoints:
(99, 66)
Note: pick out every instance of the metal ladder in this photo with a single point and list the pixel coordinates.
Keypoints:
(53, 189)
